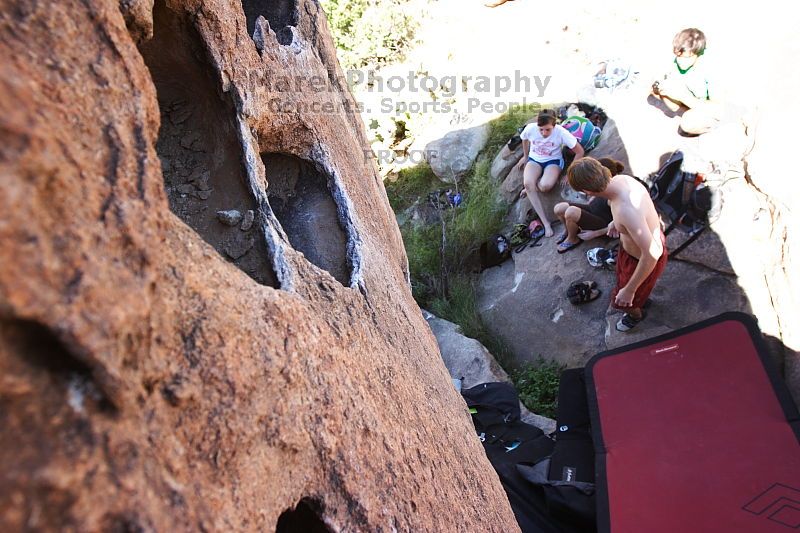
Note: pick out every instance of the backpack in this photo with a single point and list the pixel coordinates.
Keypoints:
(582, 129)
(522, 234)
(509, 444)
(494, 251)
(595, 114)
(568, 475)
(496, 416)
(678, 194)
(684, 198)
(516, 139)
(704, 203)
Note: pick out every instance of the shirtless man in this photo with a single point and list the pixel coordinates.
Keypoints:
(643, 254)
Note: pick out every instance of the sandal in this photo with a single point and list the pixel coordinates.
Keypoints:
(582, 292)
(562, 238)
(566, 246)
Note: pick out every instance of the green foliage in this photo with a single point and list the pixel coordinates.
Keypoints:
(537, 385)
(412, 184)
(460, 307)
(505, 126)
(424, 258)
(434, 271)
(481, 216)
(369, 32)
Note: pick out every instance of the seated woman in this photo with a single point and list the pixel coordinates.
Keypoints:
(542, 159)
(586, 223)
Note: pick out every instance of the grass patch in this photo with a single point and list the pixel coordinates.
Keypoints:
(537, 385)
(411, 184)
(505, 126)
(422, 245)
(460, 307)
(482, 214)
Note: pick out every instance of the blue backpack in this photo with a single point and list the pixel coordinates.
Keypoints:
(582, 128)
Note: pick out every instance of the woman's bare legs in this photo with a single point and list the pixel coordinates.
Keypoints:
(533, 171)
(534, 185)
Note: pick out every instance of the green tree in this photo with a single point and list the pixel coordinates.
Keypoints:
(370, 32)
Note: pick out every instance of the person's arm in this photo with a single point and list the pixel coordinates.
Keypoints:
(588, 235)
(651, 248)
(609, 230)
(571, 142)
(612, 230)
(674, 88)
(526, 147)
(678, 92)
(578, 151)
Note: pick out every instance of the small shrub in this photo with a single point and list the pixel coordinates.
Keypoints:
(537, 385)
(412, 183)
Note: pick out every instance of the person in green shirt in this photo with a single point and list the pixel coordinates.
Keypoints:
(686, 88)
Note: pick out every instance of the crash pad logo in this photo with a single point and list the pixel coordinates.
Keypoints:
(778, 503)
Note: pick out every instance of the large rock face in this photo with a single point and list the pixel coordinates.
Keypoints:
(163, 370)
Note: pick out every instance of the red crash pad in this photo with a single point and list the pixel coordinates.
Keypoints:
(695, 431)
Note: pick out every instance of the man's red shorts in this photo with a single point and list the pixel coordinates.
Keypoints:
(626, 264)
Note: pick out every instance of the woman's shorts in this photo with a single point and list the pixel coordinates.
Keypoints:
(544, 164)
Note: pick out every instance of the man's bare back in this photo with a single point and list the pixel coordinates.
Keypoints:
(634, 212)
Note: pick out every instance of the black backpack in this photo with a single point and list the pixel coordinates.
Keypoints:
(496, 416)
(683, 198)
(512, 445)
(494, 251)
(567, 477)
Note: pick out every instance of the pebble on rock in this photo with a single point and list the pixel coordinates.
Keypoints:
(231, 217)
(247, 223)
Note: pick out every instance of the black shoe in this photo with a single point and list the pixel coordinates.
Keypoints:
(627, 322)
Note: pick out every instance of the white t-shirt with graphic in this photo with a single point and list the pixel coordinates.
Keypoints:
(545, 149)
